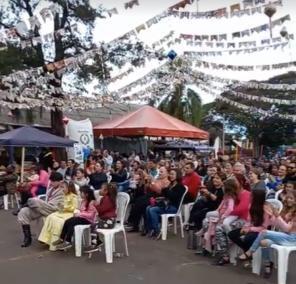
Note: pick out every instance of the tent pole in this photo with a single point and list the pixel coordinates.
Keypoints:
(22, 164)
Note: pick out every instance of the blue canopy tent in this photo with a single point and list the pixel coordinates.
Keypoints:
(28, 136)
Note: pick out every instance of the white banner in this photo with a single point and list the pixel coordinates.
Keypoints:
(82, 132)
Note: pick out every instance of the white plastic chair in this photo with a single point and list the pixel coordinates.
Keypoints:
(187, 209)
(82, 236)
(123, 200)
(165, 218)
(283, 253)
(83, 233)
(12, 197)
(276, 203)
(257, 256)
(278, 193)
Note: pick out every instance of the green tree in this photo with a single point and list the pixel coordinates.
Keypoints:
(269, 130)
(183, 104)
(72, 43)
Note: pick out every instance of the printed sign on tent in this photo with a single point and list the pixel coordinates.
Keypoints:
(81, 131)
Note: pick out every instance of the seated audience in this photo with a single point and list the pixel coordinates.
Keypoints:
(169, 204)
(106, 209)
(255, 182)
(38, 208)
(209, 200)
(84, 216)
(79, 178)
(53, 224)
(193, 181)
(216, 218)
(98, 177)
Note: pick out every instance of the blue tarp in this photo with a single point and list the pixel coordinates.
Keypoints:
(28, 136)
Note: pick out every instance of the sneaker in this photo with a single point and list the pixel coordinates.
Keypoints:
(64, 246)
(15, 212)
(57, 242)
(199, 233)
(94, 248)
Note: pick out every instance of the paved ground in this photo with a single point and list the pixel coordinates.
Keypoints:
(149, 262)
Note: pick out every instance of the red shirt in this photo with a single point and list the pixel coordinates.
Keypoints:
(241, 209)
(106, 208)
(193, 182)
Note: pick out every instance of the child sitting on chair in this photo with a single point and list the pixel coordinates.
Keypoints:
(106, 209)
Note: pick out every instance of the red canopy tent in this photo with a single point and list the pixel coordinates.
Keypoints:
(148, 121)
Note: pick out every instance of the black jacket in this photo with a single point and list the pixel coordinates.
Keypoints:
(174, 194)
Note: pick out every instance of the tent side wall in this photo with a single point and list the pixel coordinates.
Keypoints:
(124, 145)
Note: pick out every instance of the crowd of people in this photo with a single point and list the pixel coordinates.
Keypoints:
(232, 201)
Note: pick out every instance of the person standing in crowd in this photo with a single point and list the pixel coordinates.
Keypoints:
(98, 177)
(63, 168)
(38, 208)
(54, 222)
(193, 181)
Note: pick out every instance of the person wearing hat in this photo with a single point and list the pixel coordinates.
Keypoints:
(38, 208)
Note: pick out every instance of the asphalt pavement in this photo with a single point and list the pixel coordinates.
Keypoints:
(150, 261)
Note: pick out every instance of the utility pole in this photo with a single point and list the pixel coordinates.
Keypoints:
(197, 6)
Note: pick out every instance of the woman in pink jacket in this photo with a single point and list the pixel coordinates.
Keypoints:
(236, 219)
(216, 218)
(86, 215)
(38, 187)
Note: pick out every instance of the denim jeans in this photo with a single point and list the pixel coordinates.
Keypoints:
(153, 214)
(272, 237)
